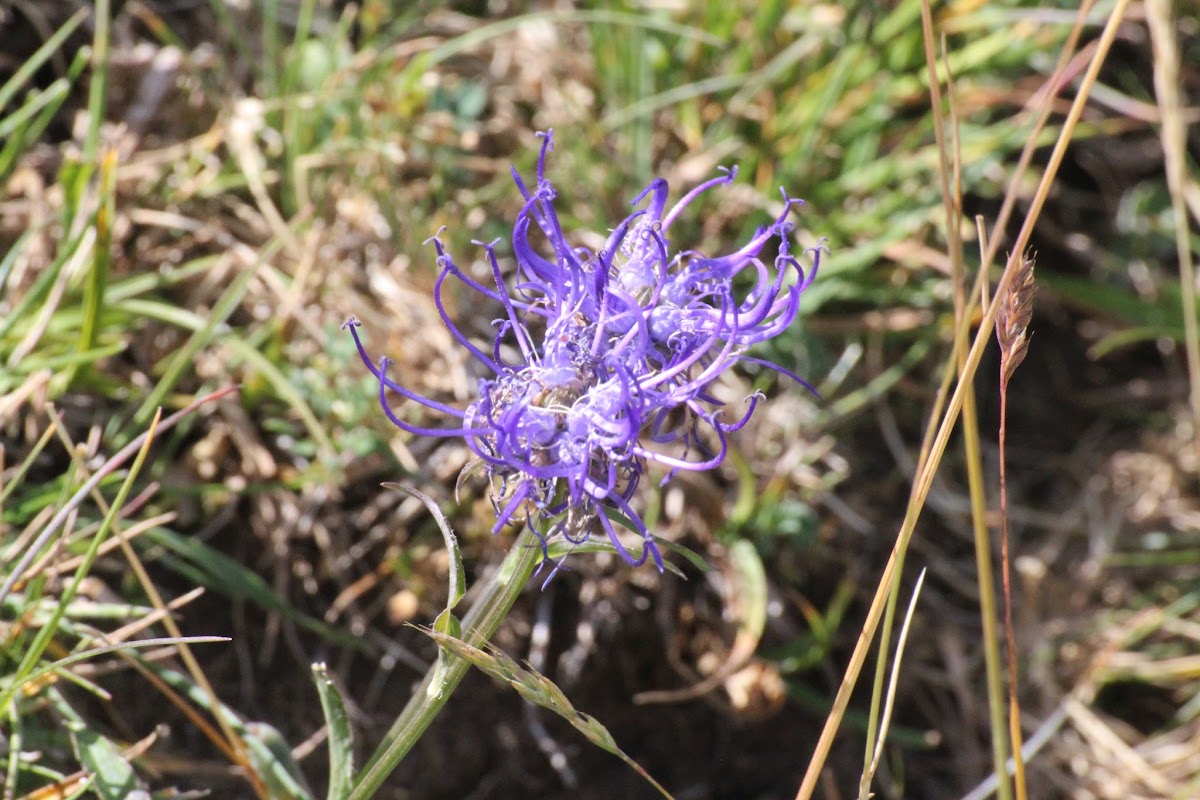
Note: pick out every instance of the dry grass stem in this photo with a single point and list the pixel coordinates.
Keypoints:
(1167, 83)
(1014, 312)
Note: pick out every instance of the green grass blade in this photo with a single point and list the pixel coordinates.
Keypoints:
(40, 56)
(23, 126)
(36, 294)
(98, 84)
(38, 674)
(10, 258)
(97, 280)
(42, 639)
(36, 362)
(113, 777)
(184, 357)
(341, 744)
(242, 351)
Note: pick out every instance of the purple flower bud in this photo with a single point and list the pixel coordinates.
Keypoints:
(617, 351)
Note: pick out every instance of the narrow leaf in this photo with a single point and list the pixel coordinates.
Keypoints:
(113, 776)
(341, 743)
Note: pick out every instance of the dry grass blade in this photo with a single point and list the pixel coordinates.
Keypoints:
(1101, 737)
(139, 625)
(864, 790)
(108, 468)
(925, 478)
(45, 568)
(950, 165)
(1167, 83)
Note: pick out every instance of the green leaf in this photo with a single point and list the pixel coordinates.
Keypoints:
(458, 575)
(113, 777)
(341, 742)
(751, 588)
(446, 623)
(271, 758)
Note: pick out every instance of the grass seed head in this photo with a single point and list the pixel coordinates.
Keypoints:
(1012, 320)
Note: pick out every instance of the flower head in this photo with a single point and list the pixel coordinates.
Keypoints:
(602, 362)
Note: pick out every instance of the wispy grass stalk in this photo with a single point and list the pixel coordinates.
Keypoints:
(1012, 323)
(952, 204)
(885, 715)
(924, 478)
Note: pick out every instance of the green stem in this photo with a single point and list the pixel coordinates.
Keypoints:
(492, 606)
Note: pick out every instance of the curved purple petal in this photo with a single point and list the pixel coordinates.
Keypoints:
(618, 348)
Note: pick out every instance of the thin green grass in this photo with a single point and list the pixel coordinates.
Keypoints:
(56, 326)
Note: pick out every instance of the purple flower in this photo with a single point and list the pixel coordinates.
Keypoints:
(602, 362)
